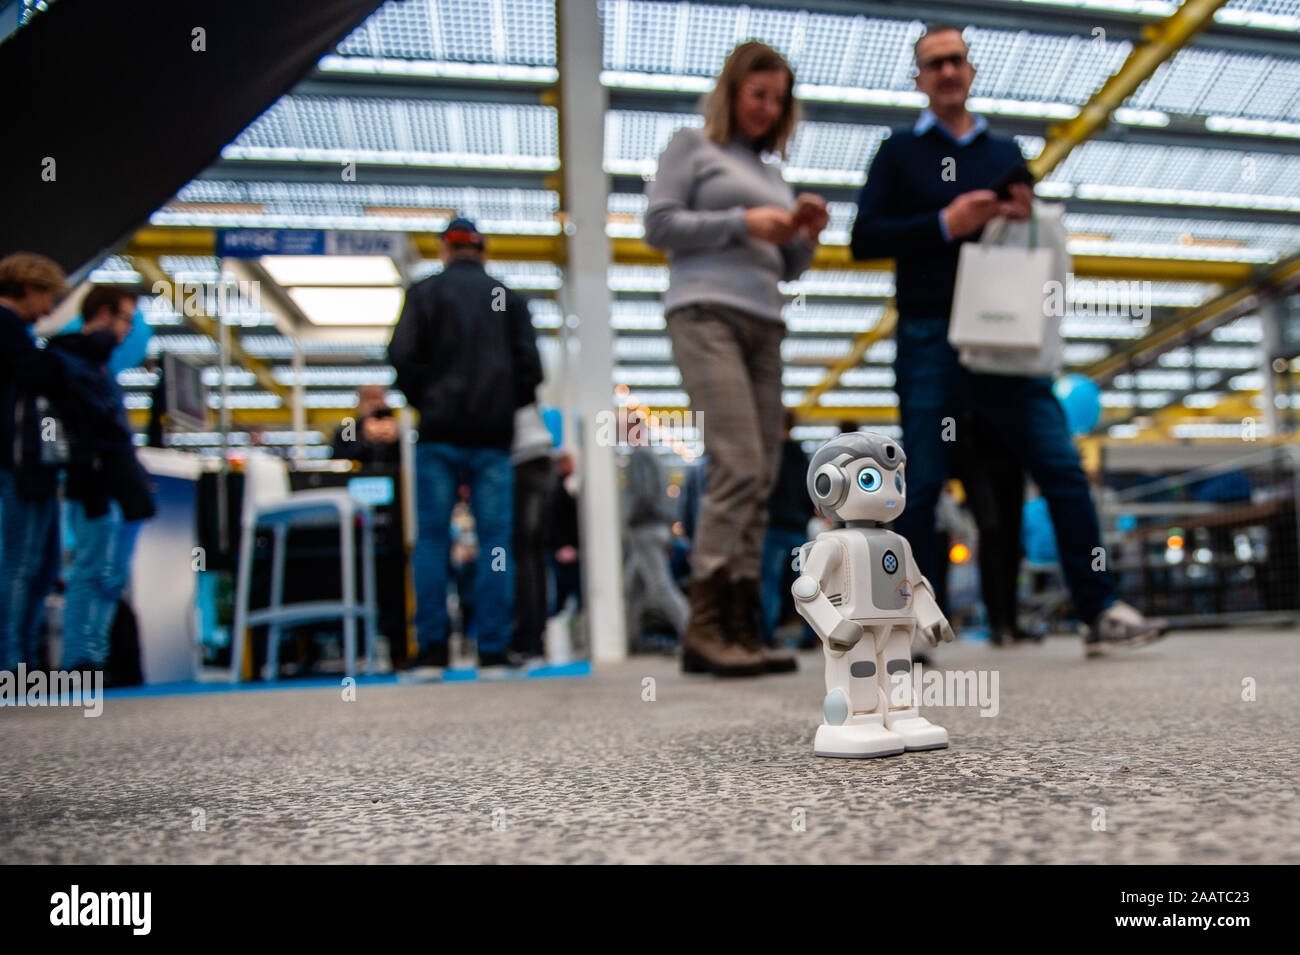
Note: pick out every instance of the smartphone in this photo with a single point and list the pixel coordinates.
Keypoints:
(1018, 173)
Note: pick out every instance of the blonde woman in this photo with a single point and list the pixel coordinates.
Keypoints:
(733, 229)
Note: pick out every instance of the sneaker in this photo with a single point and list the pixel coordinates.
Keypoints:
(429, 664)
(1121, 625)
(498, 666)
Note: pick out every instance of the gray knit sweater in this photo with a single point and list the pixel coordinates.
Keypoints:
(696, 212)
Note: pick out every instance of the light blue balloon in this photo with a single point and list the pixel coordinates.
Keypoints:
(1037, 535)
(1081, 399)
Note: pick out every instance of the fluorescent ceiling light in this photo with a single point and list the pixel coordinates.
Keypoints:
(393, 66)
(1140, 117)
(1252, 127)
(332, 269)
(348, 306)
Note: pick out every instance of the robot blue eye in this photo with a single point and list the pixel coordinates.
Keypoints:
(869, 479)
(898, 482)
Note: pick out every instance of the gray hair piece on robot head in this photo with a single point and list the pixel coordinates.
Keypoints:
(825, 487)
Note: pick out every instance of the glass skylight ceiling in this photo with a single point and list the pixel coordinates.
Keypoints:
(855, 58)
(1179, 175)
(402, 132)
(1263, 14)
(467, 31)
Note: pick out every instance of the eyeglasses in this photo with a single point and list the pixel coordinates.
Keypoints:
(957, 60)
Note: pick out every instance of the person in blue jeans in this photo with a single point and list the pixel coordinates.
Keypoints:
(466, 357)
(30, 285)
(441, 468)
(107, 494)
(929, 190)
(102, 548)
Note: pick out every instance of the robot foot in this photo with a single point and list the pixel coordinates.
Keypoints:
(857, 741)
(917, 732)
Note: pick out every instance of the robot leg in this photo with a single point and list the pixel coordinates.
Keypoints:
(901, 716)
(854, 725)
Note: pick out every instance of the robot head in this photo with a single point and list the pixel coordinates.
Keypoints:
(858, 477)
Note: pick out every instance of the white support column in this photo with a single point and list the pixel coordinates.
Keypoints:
(586, 187)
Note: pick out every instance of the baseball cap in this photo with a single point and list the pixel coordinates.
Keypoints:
(462, 231)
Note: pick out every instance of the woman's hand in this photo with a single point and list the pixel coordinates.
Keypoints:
(771, 224)
(810, 215)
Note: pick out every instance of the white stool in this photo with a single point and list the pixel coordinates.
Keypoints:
(268, 502)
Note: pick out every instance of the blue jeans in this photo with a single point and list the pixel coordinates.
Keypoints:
(101, 565)
(29, 563)
(777, 569)
(440, 470)
(932, 385)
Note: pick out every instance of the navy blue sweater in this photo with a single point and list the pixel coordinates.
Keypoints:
(898, 209)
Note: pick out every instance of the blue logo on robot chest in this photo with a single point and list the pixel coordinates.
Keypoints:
(889, 562)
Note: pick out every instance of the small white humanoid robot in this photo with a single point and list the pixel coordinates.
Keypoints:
(859, 589)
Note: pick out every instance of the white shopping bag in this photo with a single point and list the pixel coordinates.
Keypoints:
(1000, 321)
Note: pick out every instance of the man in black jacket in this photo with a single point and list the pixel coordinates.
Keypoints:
(466, 357)
(30, 285)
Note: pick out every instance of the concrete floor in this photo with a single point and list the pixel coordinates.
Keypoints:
(585, 770)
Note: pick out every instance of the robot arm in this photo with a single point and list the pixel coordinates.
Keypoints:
(839, 633)
(929, 618)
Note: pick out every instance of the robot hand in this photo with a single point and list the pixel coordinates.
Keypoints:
(933, 624)
(844, 636)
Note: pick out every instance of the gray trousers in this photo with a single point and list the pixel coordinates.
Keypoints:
(731, 369)
(648, 579)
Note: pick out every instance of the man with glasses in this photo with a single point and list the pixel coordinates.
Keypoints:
(929, 189)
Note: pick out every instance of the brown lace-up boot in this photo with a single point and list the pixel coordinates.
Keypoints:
(706, 647)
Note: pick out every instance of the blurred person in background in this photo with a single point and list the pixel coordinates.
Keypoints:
(466, 356)
(108, 494)
(371, 435)
(791, 509)
(534, 479)
(647, 521)
(30, 287)
(929, 189)
(733, 230)
(564, 543)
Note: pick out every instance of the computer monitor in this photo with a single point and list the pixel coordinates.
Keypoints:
(187, 395)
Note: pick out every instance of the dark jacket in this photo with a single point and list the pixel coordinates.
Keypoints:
(790, 508)
(365, 452)
(466, 356)
(898, 210)
(102, 464)
(27, 375)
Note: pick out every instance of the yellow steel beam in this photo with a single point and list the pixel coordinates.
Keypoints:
(205, 324)
(864, 340)
(1278, 276)
(550, 248)
(277, 419)
(1160, 41)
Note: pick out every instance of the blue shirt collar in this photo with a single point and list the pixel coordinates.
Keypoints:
(927, 121)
